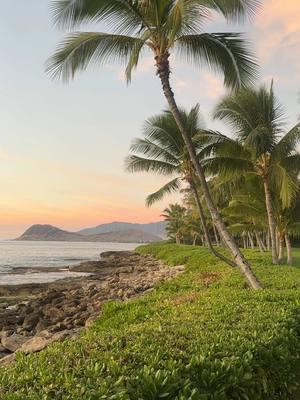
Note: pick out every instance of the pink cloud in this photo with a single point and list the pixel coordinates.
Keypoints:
(278, 29)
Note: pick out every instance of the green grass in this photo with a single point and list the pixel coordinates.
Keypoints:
(203, 335)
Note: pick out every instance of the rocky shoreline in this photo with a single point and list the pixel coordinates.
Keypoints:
(33, 316)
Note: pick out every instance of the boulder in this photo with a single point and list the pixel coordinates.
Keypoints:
(13, 342)
(42, 325)
(30, 321)
(37, 343)
(7, 360)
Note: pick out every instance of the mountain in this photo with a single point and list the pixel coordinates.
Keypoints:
(154, 228)
(51, 233)
(126, 236)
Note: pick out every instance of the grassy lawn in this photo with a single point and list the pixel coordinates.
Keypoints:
(203, 335)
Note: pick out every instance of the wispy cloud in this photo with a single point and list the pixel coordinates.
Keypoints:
(278, 30)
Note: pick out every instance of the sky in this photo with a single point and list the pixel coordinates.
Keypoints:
(62, 147)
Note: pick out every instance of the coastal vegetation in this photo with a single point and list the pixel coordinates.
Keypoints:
(202, 335)
(253, 175)
(162, 27)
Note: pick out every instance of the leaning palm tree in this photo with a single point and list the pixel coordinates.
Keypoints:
(162, 27)
(163, 151)
(262, 147)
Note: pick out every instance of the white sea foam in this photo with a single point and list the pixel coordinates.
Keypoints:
(37, 277)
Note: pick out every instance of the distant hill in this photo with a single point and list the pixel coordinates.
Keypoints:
(155, 228)
(51, 233)
(126, 236)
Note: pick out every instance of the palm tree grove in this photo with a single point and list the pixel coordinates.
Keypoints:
(212, 310)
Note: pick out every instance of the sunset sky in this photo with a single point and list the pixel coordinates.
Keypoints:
(62, 147)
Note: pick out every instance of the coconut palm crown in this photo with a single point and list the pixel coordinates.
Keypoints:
(164, 152)
(160, 26)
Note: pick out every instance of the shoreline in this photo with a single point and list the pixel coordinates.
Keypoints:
(36, 315)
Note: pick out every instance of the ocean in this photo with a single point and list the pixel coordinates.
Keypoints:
(28, 255)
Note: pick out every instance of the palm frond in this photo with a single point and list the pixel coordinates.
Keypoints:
(154, 151)
(184, 17)
(135, 57)
(222, 52)
(234, 10)
(288, 143)
(285, 183)
(291, 164)
(122, 16)
(168, 188)
(228, 167)
(241, 228)
(294, 229)
(80, 49)
(252, 111)
(139, 164)
(245, 210)
(215, 143)
(163, 130)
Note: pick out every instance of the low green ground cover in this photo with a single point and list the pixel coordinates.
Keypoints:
(203, 335)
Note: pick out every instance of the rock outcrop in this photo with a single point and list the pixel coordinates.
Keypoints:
(63, 311)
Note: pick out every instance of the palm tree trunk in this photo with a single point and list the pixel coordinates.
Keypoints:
(281, 248)
(251, 240)
(204, 226)
(288, 249)
(244, 242)
(216, 235)
(261, 238)
(202, 240)
(259, 242)
(268, 240)
(277, 243)
(271, 220)
(163, 71)
(194, 240)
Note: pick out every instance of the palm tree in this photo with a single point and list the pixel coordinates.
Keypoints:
(162, 27)
(246, 210)
(175, 217)
(193, 225)
(261, 147)
(163, 151)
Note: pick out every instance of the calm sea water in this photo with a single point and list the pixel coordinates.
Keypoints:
(48, 254)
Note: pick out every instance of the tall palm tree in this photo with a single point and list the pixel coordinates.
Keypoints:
(262, 147)
(162, 27)
(163, 151)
